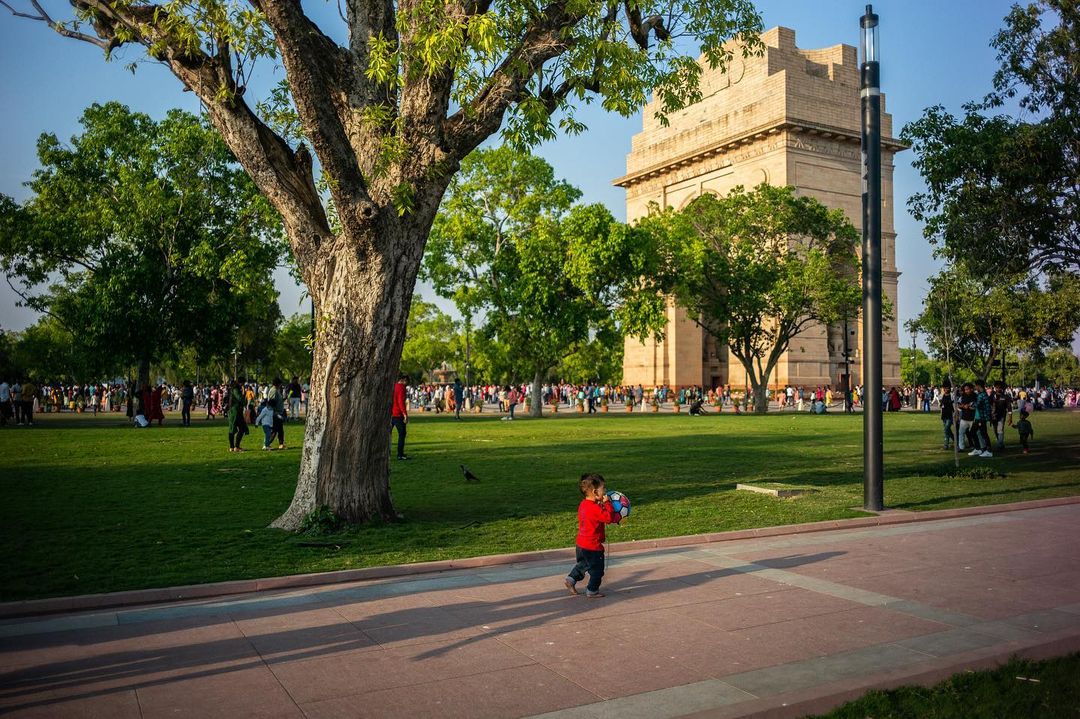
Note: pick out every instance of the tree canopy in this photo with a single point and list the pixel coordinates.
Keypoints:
(431, 340)
(545, 274)
(143, 237)
(1003, 193)
(757, 267)
(971, 321)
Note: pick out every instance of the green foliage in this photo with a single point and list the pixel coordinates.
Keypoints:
(548, 276)
(599, 360)
(291, 355)
(430, 340)
(756, 268)
(1004, 194)
(971, 321)
(48, 351)
(152, 238)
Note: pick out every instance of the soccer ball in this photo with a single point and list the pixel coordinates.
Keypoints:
(621, 504)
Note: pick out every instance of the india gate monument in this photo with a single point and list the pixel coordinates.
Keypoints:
(788, 117)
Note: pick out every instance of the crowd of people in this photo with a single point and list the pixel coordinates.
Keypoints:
(146, 405)
(969, 412)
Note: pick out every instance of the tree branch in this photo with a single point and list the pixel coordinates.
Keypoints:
(44, 17)
(321, 74)
(542, 41)
(284, 176)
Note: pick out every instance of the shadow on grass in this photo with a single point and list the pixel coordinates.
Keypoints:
(153, 658)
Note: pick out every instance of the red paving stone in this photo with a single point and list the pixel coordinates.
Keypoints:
(479, 642)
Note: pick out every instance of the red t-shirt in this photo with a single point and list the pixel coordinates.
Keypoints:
(591, 518)
(398, 408)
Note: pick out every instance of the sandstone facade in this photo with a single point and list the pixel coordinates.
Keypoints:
(787, 117)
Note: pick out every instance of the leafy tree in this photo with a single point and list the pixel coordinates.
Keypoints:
(971, 321)
(546, 274)
(1060, 367)
(756, 268)
(1003, 194)
(152, 236)
(48, 352)
(598, 360)
(292, 354)
(430, 340)
(391, 113)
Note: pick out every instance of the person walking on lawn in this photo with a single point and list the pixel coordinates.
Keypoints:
(399, 414)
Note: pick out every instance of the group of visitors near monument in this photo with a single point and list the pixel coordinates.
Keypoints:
(591, 398)
(971, 411)
(968, 412)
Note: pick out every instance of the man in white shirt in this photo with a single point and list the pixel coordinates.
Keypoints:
(5, 403)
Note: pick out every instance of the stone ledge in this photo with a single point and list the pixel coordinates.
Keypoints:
(54, 605)
(783, 492)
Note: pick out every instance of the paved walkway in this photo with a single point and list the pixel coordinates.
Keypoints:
(715, 630)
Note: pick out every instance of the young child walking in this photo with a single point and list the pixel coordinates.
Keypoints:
(1025, 429)
(593, 513)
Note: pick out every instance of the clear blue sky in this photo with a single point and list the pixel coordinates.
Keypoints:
(933, 52)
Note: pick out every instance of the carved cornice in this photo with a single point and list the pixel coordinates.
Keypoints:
(725, 153)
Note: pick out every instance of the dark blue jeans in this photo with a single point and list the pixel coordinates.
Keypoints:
(399, 423)
(591, 561)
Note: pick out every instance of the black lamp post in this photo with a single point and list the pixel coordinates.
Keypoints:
(873, 441)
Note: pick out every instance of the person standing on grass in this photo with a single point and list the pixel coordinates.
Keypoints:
(1025, 430)
(399, 414)
(16, 401)
(27, 395)
(982, 416)
(295, 392)
(594, 512)
(966, 404)
(235, 413)
(5, 403)
(265, 419)
(156, 411)
(947, 414)
(187, 397)
(275, 398)
(1000, 412)
(512, 398)
(459, 397)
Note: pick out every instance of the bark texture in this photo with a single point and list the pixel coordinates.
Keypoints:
(537, 408)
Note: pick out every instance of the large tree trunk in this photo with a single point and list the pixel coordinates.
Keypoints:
(537, 408)
(143, 379)
(362, 304)
(761, 396)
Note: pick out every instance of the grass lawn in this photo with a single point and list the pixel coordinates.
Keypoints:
(1032, 690)
(91, 505)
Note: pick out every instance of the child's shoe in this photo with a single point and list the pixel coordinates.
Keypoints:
(593, 595)
(571, 585)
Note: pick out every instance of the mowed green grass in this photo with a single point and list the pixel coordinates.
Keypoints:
(91, 505)
(1021, 688)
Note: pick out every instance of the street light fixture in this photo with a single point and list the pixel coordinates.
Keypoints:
(870, 91)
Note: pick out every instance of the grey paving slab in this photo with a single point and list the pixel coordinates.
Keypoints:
(1051, 620)
(659, 704)
(953, 641)
(809, 672)
(934, 614)
(57, 624)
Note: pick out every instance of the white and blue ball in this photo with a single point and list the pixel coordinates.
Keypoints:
(620, 503)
